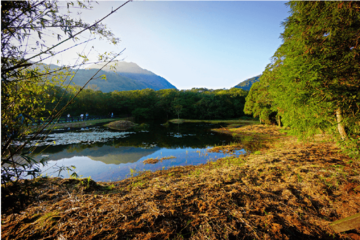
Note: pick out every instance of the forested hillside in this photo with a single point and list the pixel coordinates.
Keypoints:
(151, 105)
(312, 84)
(246, 85)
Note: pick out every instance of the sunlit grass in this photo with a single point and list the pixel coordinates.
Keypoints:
(120, 125)
(156, 160)
(283, 189)
(79, 124)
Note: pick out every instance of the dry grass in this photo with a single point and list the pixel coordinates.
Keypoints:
(285, 190)
(156, 160)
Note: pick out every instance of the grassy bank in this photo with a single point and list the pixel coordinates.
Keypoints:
(81, 124)
(120, 125)
(284, 189)
(232, 122)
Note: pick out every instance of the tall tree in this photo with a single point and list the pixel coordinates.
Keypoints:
(330, 31)
(259, 101)
(315, 73)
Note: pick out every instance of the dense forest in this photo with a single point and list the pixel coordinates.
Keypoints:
(151, 105)
(312, 84)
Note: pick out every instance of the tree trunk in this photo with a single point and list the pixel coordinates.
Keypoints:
(341, 127)
(279, 120)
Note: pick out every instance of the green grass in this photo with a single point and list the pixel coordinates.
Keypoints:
(217, 121)
(81, 124)
(121, 125)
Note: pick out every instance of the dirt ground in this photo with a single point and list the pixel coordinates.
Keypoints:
(280, 189)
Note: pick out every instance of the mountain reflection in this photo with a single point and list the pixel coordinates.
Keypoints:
(130, 148)
(106, 154)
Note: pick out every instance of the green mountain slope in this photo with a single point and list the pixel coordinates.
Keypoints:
(142, 77)
(114, 81)
(246, 85)
(127, 76)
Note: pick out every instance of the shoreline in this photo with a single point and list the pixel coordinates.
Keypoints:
(282, 189)
(80, 124)
(216, 121)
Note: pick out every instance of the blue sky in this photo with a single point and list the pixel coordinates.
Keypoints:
(193, 44)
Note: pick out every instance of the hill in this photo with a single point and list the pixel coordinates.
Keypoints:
(246, 85)
(127, 76)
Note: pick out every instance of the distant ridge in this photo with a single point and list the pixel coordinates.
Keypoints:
(127, 76)
(123, 67)
(246, 85)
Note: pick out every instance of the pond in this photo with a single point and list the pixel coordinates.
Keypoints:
(109, 155)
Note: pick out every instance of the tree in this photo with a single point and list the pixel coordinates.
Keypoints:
(314, 77)
(177, 109)
(259, 101)
(166, 96)
(331, 35)
(24, 82)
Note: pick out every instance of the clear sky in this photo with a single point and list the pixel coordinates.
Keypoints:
(192, 44)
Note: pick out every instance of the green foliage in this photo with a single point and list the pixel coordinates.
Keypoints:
(23, 102)
(259, 102)
(150, 105)
(142, 114)
(268, 116)
(28, 87)
(314, 77)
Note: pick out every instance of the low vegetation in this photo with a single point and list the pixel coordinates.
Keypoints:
(282, 189)
(80, 124)
(232, 123)
(120, 125)
(156, 160)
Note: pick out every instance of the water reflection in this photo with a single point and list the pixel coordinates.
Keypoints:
(106, 153)
(111, 156)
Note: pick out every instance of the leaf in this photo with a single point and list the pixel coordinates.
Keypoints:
(74, 175)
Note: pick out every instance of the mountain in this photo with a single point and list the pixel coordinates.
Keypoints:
(126, 76)
(246, 85)
(103, 152)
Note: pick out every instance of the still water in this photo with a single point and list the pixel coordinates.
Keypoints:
(109, 155)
